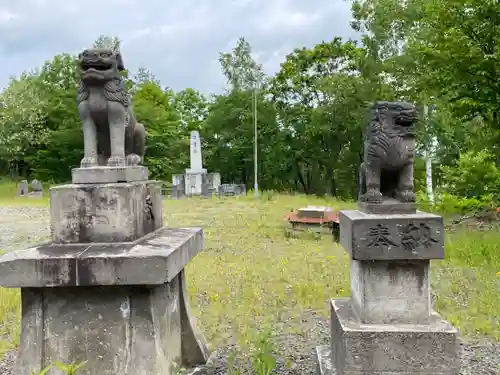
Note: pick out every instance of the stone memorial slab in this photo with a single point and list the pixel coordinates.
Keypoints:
(104, 175)
(36, 189)
(213, 180)
(195, 157)
(22, 188)
(36, 186)
(231, 190)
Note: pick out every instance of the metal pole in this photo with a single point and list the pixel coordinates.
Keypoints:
(256, 184)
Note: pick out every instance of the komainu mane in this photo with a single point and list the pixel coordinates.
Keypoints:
(389, 152)
(112, 136)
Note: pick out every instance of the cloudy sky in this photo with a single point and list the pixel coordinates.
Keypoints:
(178, 40)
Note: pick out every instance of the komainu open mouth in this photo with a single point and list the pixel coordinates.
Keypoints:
(95, 65)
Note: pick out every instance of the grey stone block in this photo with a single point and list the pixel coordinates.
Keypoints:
(391, 291)
(391, 237)
(388, 207)
(104, 175)
(153, 260)
(382, 349)
(117, 212)
(129, 330)
(324, 361)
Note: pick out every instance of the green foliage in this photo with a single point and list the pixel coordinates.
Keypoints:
(154, 109)
(43, 371)
(446, 204)
(474, 174)
(232, 369)
(239, 67)
(310, 115)
(107, 42)
(262, 359)
(69, 369)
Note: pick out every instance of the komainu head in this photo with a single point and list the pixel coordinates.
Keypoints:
(398, 113)
(99, 64)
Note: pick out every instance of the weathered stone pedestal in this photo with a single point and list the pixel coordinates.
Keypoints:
(110, 288)
(388, 326)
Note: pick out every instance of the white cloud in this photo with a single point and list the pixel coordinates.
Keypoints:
(179, 41)
(6, 16)
(282, 16)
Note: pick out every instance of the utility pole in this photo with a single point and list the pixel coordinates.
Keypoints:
(256, 183)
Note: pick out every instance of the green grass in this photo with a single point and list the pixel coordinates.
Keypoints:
(467, 282)
(8, 196)
(251, 276)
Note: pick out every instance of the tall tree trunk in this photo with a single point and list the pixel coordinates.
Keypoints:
(300, 177)
(428, 160)
(428, 175)
(331, 187)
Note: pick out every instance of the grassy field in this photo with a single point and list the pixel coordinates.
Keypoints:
(252, 277)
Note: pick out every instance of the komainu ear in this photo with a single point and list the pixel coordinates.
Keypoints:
(119, 62)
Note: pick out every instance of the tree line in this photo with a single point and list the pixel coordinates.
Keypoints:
(311, 114)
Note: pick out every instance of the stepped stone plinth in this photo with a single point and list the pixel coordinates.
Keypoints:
(110, 287)
(388, 326)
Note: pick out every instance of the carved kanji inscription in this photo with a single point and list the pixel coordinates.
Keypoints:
(417, 236)
(379, 236)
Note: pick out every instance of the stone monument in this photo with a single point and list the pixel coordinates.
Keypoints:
(110, 286)
(195, 180)
(388, 325)
(22, 188)
(196, 174)
(36, 189)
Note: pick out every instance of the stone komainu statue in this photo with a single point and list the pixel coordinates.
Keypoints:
(389, 152)
(112, 136)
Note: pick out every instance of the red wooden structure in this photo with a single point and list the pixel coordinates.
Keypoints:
(331, 220)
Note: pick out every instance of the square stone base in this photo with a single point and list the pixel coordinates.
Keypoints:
(383, 349)
(114, 212)
(104, 175)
